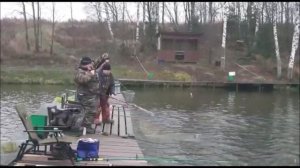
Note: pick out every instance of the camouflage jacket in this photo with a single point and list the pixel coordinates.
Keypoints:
(87, 83)
(106, 82)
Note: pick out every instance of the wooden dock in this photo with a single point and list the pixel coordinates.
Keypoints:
(236, 85)
(117, 145)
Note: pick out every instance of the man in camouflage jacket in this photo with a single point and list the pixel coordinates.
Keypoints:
(87, 89)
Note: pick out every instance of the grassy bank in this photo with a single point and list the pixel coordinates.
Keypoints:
(36, 75)
(63, 76)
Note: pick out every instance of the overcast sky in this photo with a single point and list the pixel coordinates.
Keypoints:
(63, 11)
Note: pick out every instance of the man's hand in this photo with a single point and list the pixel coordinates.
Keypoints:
(93, 72)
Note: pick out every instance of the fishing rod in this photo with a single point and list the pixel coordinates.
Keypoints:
(134, 105)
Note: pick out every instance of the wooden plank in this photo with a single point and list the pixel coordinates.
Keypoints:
(129, 126)
(116, 120)
(43, 159)
(121, 122)
(127, 155)
(128, 162)
(106, 127)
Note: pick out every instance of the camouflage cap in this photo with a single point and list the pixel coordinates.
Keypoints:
(85, 60)
(105, 56)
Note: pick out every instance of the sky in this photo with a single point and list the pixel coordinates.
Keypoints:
(63, 11)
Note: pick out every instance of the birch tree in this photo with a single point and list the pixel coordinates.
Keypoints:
(276, 46)
(256, 8)
(137, 22)
(224, 36)
(144, 18)
(123, 12)
(163, 15)
(295, 46)
(157, 17)
(108, 21)
(26, 27)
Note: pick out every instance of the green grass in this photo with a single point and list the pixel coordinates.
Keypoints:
(65, 76)
(36, 75)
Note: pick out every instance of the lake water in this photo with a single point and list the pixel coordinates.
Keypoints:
(191, 126)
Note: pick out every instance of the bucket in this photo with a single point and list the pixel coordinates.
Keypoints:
(39, 120)
(150, 75)
(117, 87)
(231, 76)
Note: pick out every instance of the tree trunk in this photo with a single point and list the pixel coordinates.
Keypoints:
(239, 18)
(176, 12)
(205, 12)
(210, 12)
(262, 12)
(26, 27)
(137, 22)
(108, 21)
(281, 14)
(144, 18)
(157, 18)
(35, 29)
(287, 11)
(38, 24)
(163, 15)
(123, 12)
(53, 26)
(295, 46)
(256, 23)
(40, 27)
(277, 50)
(193, 20)
(224, 37)
(71, 6)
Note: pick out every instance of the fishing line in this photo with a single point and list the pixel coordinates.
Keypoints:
(134, 105)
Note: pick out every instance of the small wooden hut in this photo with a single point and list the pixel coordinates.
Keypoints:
(178, 47)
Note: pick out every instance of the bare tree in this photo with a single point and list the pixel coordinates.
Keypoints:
(137, 22)
(35, 29)
(224, 36)
(123, 12)
(156, 17)
(210, 11)
(38, 23)
(257, 13)
(71, 7)
(205, 12)
(144, 18)
(295, 45)
(108, 20)
(113, 8)
(53, 26)
(176, 12)
(26, 27)
(172, 18)
(163, 15)
(276, 45)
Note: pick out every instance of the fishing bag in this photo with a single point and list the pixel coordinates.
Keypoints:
(88, 148)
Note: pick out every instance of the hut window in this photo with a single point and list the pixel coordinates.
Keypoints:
(179, 55)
